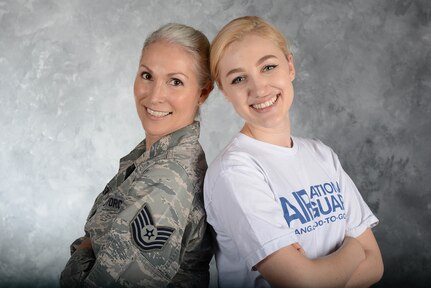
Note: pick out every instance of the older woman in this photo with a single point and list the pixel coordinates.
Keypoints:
(147, 227)
(284, 211)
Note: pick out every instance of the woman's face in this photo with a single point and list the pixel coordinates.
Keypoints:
(256, 77)
(166, 89)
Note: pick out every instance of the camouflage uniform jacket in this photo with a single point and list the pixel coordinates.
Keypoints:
(148, 227)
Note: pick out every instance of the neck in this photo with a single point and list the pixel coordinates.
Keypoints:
(280, 137)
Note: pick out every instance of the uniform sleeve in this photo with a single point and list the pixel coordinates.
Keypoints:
(194, 268)
(358, 215)
(77, 268)
(242, 207)
(80, 263)
(144, 245)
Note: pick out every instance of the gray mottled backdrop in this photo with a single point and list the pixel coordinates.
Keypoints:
(67, 113)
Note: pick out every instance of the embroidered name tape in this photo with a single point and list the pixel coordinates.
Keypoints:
(147, 236)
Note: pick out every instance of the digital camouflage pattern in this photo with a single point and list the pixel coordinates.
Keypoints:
(148, 226)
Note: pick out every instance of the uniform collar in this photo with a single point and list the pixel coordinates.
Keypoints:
(183, 135)
(166, 144)
(190, 133)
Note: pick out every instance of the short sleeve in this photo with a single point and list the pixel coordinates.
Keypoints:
(241, 205)
(358, 215)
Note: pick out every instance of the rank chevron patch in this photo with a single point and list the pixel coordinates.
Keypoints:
(147, 236)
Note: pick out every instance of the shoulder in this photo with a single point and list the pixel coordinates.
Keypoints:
(187, 148)
(190, 156)
(313, 144)
(165, 183)
(234, 155)
(316, 147)
(167, 172)
(232, 165)
(319, 152)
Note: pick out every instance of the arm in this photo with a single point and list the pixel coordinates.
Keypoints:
(79, 264)
(194, 269)
(82, 255)
(259, 228)
(359, 220)
(144, 245)
(371, 269)
(287, 267)
(85, 244)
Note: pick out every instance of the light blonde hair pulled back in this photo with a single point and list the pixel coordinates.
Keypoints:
(236, 30)
(190, 39)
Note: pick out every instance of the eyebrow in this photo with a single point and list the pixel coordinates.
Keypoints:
(260, 61)
(264, 58)
(169, 74)
(146, 67)
(177, 73)
(236, 70)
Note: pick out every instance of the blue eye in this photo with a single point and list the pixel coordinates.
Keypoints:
(146, 76)
(269, 67)
(238, 80)
(176, 82)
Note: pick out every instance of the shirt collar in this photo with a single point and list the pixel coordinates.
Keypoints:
(190, 133)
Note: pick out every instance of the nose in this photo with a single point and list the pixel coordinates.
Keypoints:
(258, 87)
(158, 93)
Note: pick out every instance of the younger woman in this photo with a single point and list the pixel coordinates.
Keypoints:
(283, 210)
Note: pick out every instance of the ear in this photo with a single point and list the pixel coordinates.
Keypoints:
(291, 67)
(205, 92)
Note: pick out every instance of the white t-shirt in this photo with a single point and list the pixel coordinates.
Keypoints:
(261, 197)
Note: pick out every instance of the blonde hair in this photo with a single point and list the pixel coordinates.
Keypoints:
(236, 30)
(192, 40)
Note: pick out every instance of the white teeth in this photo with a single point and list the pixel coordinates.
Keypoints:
(268, 103)
(157, 113)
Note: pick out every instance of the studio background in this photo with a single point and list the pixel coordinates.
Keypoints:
(67, 113)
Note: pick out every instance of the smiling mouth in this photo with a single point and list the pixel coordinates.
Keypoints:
(158, 114)
(266, 104)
